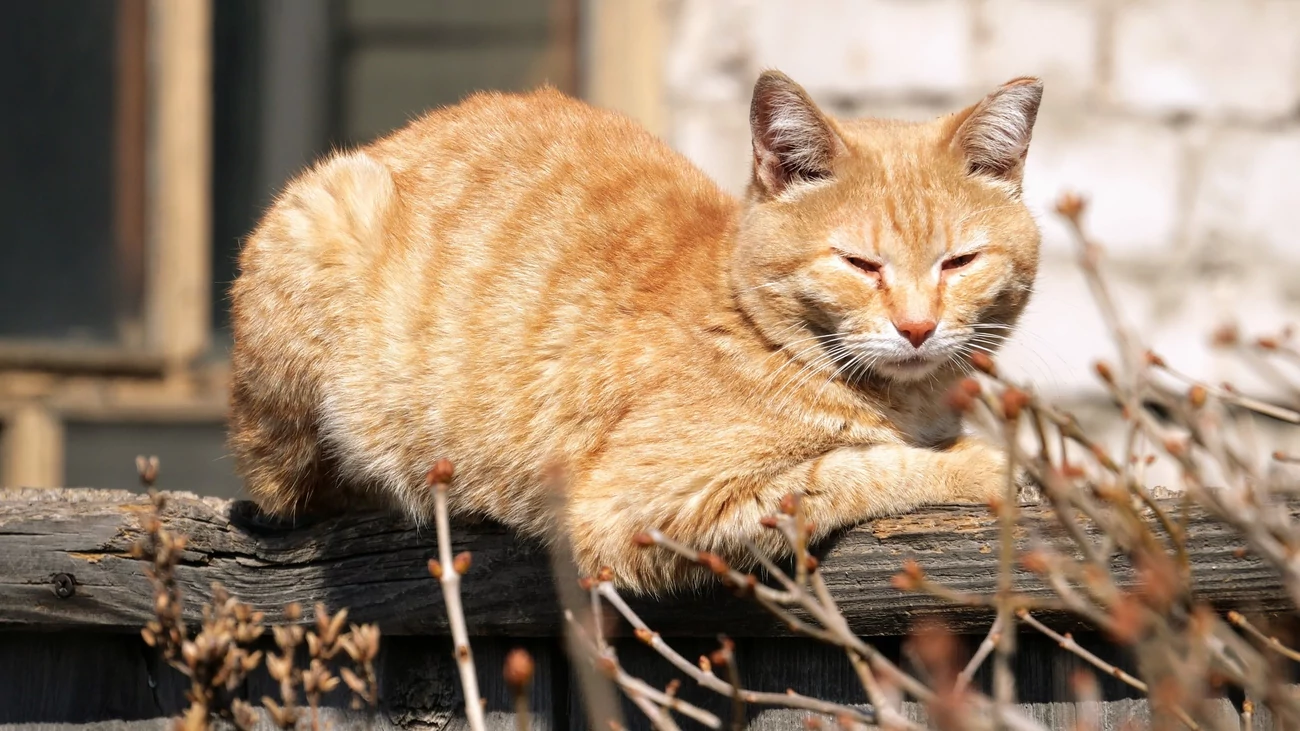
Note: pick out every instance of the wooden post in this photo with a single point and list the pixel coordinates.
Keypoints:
(562, 66)
(624, 59)
(33, 447)
(129, 154)
(179, 272)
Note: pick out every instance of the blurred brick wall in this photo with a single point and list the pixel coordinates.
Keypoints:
(1179, 119)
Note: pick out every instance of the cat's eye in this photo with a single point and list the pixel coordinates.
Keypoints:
(957, 262)
(870, 267)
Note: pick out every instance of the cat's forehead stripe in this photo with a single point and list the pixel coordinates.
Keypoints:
(864, 236)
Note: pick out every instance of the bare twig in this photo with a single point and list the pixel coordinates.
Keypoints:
(967, 674)
(638, 690)
(1067, 643)
(448, 571)
(1232, 397)
(600, 699)
(1268, 641)
(801, 598)
(1004, 682)
(726, 657)
(708, 680)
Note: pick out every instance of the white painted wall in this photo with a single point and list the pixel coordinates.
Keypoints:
(1179, 119)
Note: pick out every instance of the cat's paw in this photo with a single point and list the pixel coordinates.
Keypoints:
(980, 475)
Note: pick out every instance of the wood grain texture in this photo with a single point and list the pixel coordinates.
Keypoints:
(376, 565)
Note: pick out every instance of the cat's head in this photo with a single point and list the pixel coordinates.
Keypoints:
(890, 248)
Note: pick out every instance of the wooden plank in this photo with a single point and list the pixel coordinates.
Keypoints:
(129, 155)
(32, 447)
(85, 677)
(1123, 715)
(563, 51)
(375, 564)
(202, 395)
(178, 296)
(624, 59)
(79, 680)
(69, 358)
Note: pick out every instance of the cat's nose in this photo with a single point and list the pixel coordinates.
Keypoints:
(916, 331)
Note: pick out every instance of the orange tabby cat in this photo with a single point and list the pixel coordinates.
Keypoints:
(520, 280)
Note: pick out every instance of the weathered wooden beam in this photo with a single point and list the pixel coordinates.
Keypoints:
(64, 563)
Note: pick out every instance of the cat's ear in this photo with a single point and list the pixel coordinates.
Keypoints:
(793, 141)
(993, 135)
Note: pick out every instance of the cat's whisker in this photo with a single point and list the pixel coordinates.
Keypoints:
(1047, 373)
(820, 341)
(867, 365)
(1013, 333)
(811, 367)
(755, 287)
(795, 358)
(849, 362)
(785, 348)
(820, 365)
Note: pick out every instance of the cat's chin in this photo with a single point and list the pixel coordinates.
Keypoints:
(908, 369)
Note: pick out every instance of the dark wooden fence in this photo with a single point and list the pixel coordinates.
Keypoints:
(72, 601)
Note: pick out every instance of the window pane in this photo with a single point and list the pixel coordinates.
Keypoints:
(57, 264)
(386, 88)
(398, 58)
(480, 12)
(236, 109)
(193, 456)
(294, 80)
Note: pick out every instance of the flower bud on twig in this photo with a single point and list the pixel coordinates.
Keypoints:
(1013, 401)
(984, 363)
(1104, 372)
(461, 562)
(1071, 205)
(440, 474)
(518, 670)
(789, 504)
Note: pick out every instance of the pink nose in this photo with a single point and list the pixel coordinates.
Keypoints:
(916, 331)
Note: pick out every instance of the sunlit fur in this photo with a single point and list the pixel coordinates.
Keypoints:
(522, 281)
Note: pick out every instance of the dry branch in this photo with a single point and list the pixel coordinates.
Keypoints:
(448, 571)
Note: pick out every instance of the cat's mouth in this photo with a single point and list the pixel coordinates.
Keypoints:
(909, 367)
(916, 362)
(892, 361)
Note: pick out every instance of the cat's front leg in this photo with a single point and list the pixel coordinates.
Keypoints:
(851, 484)
(840, 488)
